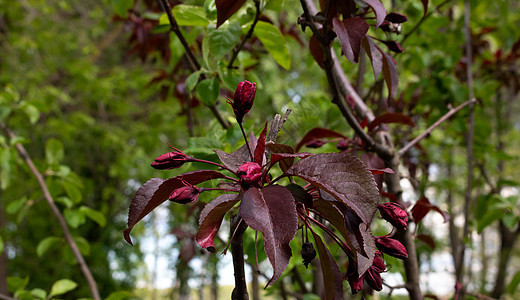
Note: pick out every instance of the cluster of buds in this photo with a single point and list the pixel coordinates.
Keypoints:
(186, 194)
(372, 276)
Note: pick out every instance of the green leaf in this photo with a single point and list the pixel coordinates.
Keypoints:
(208, 90)
(510, 220)
(65, 201)
(192, 80)
(54, 152)
(47, 243)
(13, 207)
(187, 15)
(490, 217)
(74, 218)
(32, 112)
(16, 283)
(513, 285)
(94, 215)
(62, 286)
(222, 40)
(1, 245)
(73, 192)
(39, 293)
(119, 295)
(83, 245)
(274, 42)
(311, 297)
(275, 5)
(23, 295)
(121, 7)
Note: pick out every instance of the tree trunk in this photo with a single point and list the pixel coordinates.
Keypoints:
(507, 238)
(3, 256)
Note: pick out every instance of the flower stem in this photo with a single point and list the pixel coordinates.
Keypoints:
(247, 143)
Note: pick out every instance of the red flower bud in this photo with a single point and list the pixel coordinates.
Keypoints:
(243, 99)
(250, 173)
(171, 160)
(184, 195)
(378, 264)
(394, 214)
(373, 278)
(391, 247)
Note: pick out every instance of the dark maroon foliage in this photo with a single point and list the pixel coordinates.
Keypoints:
(393, 46)
(391, 247)
(391, 118)
(226, 8)
(394, 214)
(396, 18)
(422, 207)
(315, 144)
(350, 32)
(243, 99)
(316, 134)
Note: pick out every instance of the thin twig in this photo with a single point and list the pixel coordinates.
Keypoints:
(5, 297)
(237, 251)
(192, 60)
(459, 270)
(425, 133)
(48, 197)
(248, 35)
(426, 16)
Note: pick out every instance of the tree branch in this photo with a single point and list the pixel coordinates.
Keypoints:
(425, 133)
(459, 269)
(5, 297)
(48, 197)
(248, 35)
(192, 60)
(238, 227)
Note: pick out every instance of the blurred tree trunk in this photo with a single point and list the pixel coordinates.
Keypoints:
(507, 241)
(255, 288)
(3, 256)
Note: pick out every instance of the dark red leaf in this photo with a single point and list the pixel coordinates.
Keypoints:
(317, 133)
(359, 235)
(363, 123)
(211, 218)
(272, 211)
(237, 158)
(374, 162)
(350, 32)
(316, 51)
(343, 176)
(391, 118)
(379, 10)
(285, 163)
(260, 147)
(389, 196)
(425, 6)
(287, 159)
(332, 277)
(226, 8)
(156, 190)
(396, 17)
(300, 194)
(389, 73)
(374, 54)
(423, 206)
(382, 171)
(394, 46)
(335, 217)
(427, 239)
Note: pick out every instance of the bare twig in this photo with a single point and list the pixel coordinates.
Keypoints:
(459, 269)
(426, 16)
(192, 60)
(5, 297)
(425, 133)
(248, 35)
(48, 197)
